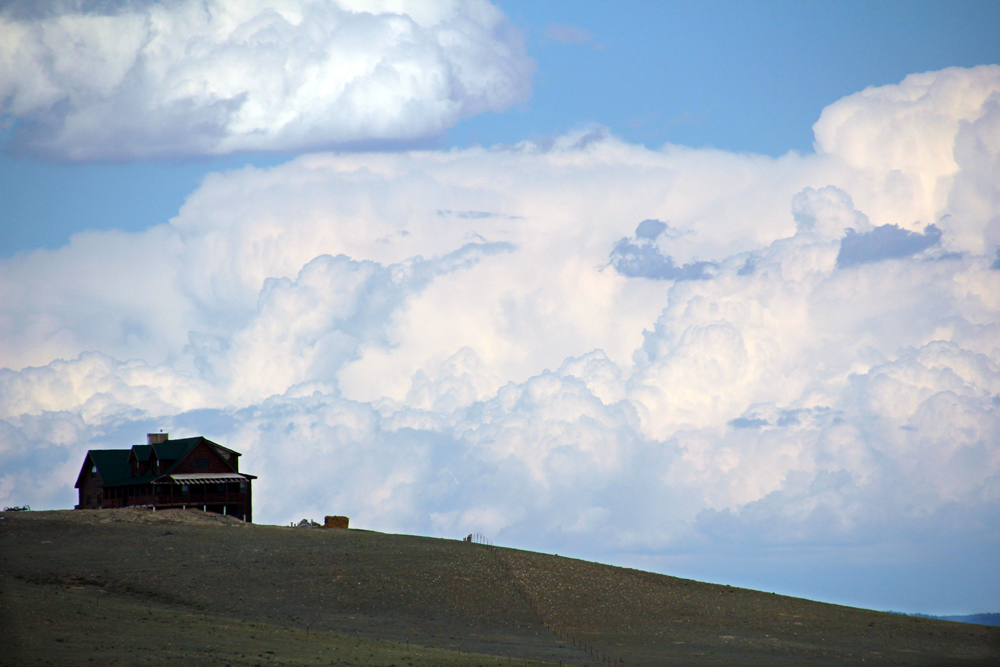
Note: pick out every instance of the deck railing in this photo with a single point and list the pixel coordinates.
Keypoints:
(236, 498)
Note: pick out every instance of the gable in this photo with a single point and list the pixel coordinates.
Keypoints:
(203, 457)
(142, 452)
(88, 464)
(112, 465)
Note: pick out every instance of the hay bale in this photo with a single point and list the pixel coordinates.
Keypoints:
(336, 522)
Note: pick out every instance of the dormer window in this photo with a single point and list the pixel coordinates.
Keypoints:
(93, 470)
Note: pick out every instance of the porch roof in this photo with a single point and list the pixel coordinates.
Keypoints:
(208, 478)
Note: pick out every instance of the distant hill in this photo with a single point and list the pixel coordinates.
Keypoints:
(191, 588)
(980, 619)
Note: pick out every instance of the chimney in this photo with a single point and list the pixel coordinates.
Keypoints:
(157, 438)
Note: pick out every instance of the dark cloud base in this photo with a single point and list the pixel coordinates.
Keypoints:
(885, 242)
(639, 257)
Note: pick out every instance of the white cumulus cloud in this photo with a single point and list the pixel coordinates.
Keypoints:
(188, 77)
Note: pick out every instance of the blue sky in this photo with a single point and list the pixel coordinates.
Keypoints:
(710, 289)
(738, 76)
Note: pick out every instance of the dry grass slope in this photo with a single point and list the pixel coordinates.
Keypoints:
(133, 587)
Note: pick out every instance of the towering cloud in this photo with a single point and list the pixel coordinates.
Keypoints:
(192, 77)
(510, 340)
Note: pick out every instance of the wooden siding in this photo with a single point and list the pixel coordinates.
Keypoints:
(91, 492)
(203, 451)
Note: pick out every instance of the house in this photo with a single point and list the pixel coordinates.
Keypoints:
(167, 474)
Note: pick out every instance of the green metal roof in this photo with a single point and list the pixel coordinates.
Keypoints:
(142, 452)
(175, 449)
(113, 464)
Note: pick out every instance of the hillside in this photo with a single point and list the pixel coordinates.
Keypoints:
(134, 587)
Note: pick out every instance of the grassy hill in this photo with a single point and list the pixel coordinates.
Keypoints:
(132, 587)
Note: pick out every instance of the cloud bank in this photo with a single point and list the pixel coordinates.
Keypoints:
(187, 77)
(505, 341)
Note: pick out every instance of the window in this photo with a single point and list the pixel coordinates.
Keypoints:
(222, 488)
(185, 488)
(93, 469)
(201, 464)
(88, 500)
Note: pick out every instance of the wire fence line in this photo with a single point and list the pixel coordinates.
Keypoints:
(505, 567)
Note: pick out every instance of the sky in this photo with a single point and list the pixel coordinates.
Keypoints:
(708, 289)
